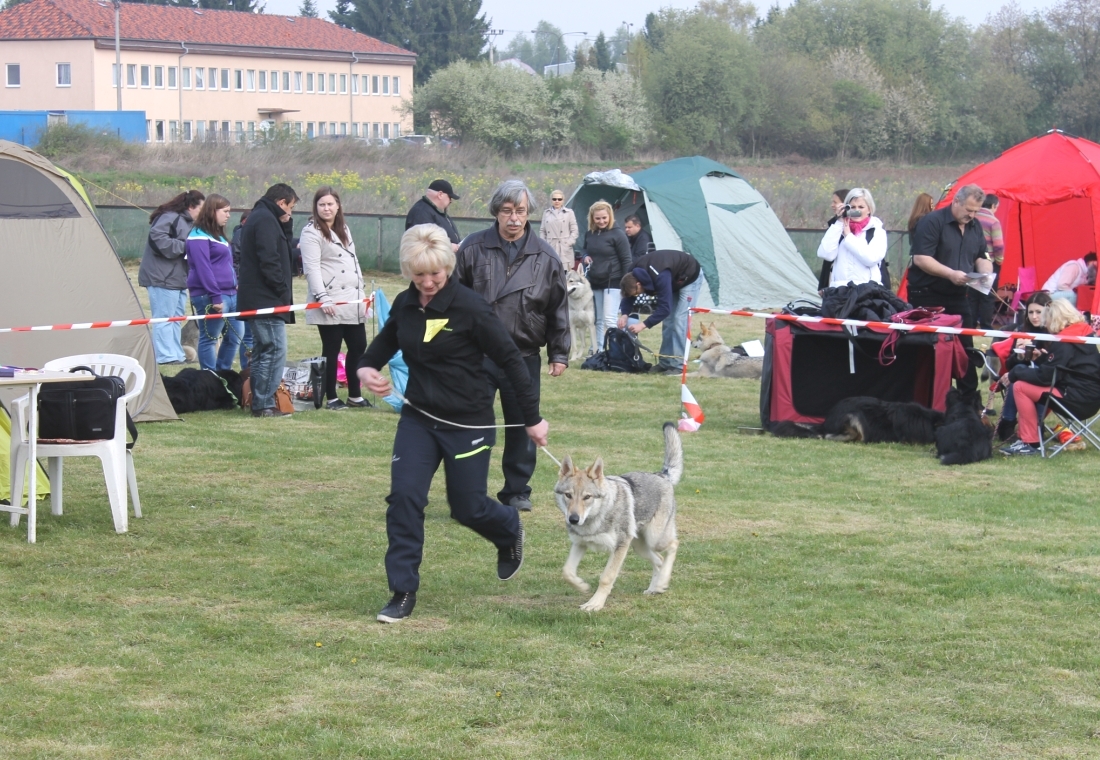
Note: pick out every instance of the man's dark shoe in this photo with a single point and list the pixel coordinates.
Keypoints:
(335, 405)
(510, 558)
(399, 608)
(522, 503)
(270, 412)
(361, 403)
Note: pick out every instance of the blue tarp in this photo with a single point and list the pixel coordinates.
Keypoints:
(399, 371)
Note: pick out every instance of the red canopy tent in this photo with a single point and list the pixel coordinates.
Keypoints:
(1049, 187)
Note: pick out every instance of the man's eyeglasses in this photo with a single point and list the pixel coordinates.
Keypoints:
(507, 212)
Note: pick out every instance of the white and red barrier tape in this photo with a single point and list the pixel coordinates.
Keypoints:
(973, 331)
(369, 301)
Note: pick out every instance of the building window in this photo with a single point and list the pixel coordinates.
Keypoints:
(320, 83)
(238, 80)
(396, 130)
(251, 130)
(225, 79)
(158, 77)
(174, 131)
(187, 131)
(355, 129)
(297, 129)
(171, 77)
(366, 85)
(225, 129)
(386, 130)
(343, 127)
(211, 79)
(309, 130)
(354, 85)
(397, 85)
(200, 76)
(263, 81)
(321, 129)
(64, 75)
(332, 127)
(332, 84)
(185, 77)
(286, 81)
(160, 130)
(200, 127)
(385, 85)
(114, 75)
(144, 76)
(376, 130)
(374, 85)
(309, 82)
(13, 75)
(343, 84)
(250, 80)
(131, 75)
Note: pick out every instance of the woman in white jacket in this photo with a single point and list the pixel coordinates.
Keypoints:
(333, 275)
(856, 243)
(559, 228)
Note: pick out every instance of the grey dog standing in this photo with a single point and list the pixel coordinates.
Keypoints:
(612, 513)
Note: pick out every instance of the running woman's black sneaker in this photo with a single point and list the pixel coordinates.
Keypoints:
(510, 558)
(399, 608)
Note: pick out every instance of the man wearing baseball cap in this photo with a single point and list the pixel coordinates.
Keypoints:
(432, 209)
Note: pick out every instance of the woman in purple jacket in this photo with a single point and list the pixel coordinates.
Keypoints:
(213, 284)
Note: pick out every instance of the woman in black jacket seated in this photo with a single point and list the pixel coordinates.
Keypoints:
(1030, 321)
(1077, 378)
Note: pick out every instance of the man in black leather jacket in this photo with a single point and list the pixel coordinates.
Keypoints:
(522, 277)
(432, 209)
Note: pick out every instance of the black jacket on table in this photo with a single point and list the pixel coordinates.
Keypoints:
(1080, 386)
(267, 267)
(444, 345)
(425, 212)
(529, 297)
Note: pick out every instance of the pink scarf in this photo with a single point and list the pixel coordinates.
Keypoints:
(857, 226)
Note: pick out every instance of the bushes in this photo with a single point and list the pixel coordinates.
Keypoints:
(67, 140)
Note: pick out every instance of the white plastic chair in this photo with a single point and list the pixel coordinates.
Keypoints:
(118, 461)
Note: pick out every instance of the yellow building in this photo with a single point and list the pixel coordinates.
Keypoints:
(204, 74)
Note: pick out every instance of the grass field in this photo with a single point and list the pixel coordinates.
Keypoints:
(829, 601)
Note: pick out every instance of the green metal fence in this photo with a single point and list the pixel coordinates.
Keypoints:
(377, 237)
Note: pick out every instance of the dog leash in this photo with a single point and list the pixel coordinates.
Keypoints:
(404, 400)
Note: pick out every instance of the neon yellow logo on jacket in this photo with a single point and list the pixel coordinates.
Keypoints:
(432, 328)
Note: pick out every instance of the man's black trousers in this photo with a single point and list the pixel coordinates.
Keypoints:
(518, 461)
(418, 448)
(963, 307)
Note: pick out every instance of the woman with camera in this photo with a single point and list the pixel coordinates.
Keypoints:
(1076, 382)
(855, 243)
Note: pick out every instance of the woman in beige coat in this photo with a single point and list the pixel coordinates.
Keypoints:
(333, 275)
(559, 228)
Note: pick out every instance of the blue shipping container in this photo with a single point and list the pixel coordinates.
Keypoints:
(25, 127)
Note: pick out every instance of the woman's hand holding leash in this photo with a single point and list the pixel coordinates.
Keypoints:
(375, 381)
(537, 433)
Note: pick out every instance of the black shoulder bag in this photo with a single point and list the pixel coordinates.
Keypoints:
(82, 410)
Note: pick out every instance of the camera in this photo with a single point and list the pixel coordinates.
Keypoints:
(850, 213)
(1029, 353)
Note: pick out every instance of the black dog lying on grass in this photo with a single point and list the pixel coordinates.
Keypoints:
(202, 390)
(869, 420)
(959, 435)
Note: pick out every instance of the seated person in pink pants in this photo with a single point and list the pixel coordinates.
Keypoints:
(1078, 382)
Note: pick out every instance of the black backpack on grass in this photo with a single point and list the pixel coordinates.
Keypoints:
(621, 353)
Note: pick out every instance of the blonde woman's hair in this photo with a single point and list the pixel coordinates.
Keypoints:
(426, 248)
(600, 206)
(1060, 314)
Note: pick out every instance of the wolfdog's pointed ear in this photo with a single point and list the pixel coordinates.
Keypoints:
(596, 470)
(567, 467)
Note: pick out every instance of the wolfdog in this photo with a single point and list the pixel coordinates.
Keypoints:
(719, 360)
(611, 513)
(582, 314)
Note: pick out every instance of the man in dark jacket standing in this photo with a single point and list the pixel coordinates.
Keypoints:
(267, 280)
(432, 209)
(673, 277)
(521, 276)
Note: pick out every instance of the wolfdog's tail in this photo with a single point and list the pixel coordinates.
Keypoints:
(674, 454)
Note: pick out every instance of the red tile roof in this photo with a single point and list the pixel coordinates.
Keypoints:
(89, 19)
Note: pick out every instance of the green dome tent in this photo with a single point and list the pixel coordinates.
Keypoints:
(709, 210)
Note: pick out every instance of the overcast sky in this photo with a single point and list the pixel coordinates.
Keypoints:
(586, 16)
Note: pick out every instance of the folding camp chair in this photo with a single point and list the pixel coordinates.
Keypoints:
(1051, 441)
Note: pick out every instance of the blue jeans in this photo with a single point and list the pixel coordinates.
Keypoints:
(674, 329)
(268, 360)
(211, 329)
(246, 342)
(166, 336)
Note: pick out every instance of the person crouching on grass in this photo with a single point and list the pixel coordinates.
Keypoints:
(444, 330)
